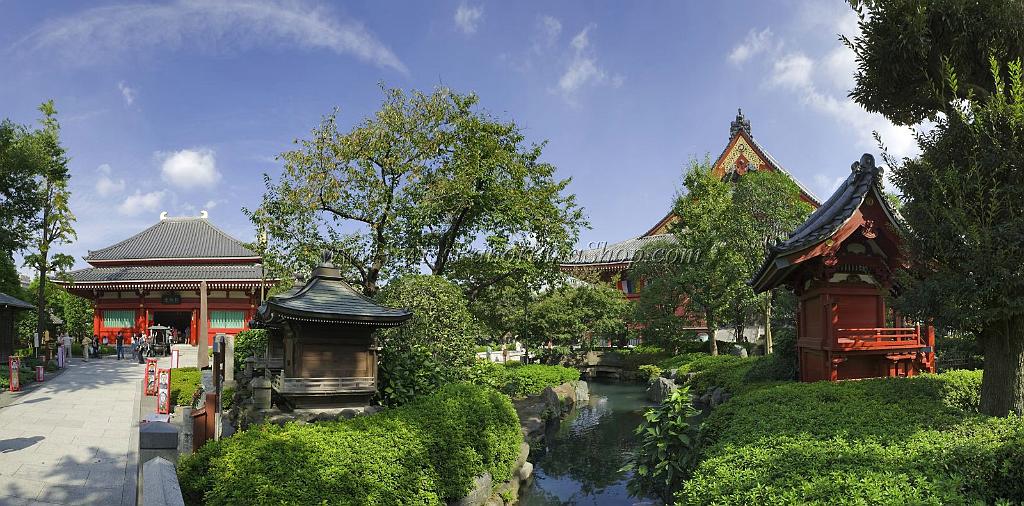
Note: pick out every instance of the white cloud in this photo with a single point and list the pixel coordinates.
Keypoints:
(792, 71)
(828, 185)
(142, 202)
(548, 30)
(583, 68)
(127, 93)
(468, 18)
(100, 33)
(105, 185)
(190, 168)
(839, 66)
(757, 42)
(210, 204)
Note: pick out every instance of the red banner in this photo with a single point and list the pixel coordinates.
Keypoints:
(163, 398)
(14, 363)
(150, 376)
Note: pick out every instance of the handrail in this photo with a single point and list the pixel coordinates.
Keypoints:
(878, 337)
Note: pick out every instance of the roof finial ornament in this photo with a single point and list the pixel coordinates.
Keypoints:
(203, 214)
(740, 123)
(163, 215)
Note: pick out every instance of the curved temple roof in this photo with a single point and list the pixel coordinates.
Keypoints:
(865, 179)
(175, 238)
(326, 297)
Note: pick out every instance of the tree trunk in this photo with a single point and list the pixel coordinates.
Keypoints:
(768, 322)
(712, 327)
(1002, 384)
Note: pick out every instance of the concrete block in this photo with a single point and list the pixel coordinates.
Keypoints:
(160, 484)
(158, 435)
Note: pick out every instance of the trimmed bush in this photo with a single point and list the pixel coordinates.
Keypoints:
(184, 383)
(532, 379)
(877, 441)
(425, 452)
(517, 380)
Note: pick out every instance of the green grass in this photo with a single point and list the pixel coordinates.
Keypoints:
(184, 383)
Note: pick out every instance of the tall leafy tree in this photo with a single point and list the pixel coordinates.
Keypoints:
(701, 277)
(419, 184)
(55, 221)
(768, 207)
(711, 287)
(19, 192)
(917, 59)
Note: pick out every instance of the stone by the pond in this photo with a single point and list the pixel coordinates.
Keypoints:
(526, 471)
(670, 374)
(661, 389)
(739, 351)
(582, 391)
(559, 400)
(524, 453)
(480, 494)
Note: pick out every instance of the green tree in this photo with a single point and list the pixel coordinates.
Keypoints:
(19, 192)
(419, 184)
(55, 221)
(709, 288)
(436, 345)
(768, 207)
(907, 46)
(934, 59)
(10, 282)
(75, 313)
(571, 315)
(963, 198)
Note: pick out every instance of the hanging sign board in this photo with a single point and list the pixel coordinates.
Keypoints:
(163, 397)
(150, 376)
(171, 298)
(14, 363)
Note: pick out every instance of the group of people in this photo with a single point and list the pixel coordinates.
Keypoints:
(139, 344)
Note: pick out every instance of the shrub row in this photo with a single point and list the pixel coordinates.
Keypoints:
(425, 452)
(184, 383)
(878, 441)
(518, 380)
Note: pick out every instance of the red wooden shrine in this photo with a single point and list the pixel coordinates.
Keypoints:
(840, 264)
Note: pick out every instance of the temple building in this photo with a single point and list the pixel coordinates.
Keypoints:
(610, 262)
(840, 263)
(157, 277)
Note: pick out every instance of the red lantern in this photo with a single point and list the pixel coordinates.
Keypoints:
(151, 376)
(163, 397)
(14, 363)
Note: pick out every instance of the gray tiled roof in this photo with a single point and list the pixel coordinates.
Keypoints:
(327, 297)
(7, 300)
(166, 273)
(620, 252)
(865, 178)
(175, 238)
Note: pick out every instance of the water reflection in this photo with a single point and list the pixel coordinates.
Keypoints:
(581, 459)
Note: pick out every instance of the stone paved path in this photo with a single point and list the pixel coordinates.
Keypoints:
(74, 439)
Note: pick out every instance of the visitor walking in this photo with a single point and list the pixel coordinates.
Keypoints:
(135, 345)
(67, 348)
(86, 347)
(120, 345)
(96, 346)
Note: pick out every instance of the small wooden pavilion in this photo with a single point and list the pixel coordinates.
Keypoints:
(840, 264)
(8, 307)
(321, 348)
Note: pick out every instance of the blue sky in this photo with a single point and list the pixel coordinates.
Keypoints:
(181, 106)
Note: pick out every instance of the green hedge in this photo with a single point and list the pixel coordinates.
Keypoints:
(878, 441)
(425, 452)
(184, 383)
(519, 380)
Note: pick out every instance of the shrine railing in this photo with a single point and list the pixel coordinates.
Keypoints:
(324, 386)
(879, 337)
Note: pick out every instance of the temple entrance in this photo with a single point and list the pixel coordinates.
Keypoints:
(180, 320)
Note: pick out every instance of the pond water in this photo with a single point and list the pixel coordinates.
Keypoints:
(580, 460)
